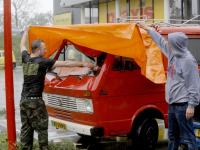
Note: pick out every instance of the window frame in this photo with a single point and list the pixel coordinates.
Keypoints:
(189, 38)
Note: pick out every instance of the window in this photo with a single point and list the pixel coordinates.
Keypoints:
(71, 53)
(189, 9)
(87, 13)
(175, 11)
(94, 11)
(121, 64)
(91, 12)
(194, 47)
(184, 9)
(2, 54)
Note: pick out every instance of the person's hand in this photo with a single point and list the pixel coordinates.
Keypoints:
(189, 113)
(89, 65)
(96, 68)
(142, 24)
(27, 28)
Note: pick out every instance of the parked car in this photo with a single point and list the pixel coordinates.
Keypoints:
(2, 64)
(15, 30)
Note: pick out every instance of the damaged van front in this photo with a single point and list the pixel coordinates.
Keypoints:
(71, 94)
(119, 97)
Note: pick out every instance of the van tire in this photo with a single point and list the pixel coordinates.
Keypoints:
(145, 135)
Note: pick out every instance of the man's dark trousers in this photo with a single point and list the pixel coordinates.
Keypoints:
(179, 124)
(34, 116)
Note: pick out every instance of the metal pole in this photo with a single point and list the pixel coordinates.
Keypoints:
(166, 11)
(83, 22)
(83, 13)
(10, 110)
(117, 9)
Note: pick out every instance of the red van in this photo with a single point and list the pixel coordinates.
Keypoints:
(114, 100)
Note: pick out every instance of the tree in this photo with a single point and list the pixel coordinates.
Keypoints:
(21, 9)
(1, 13)
(41, 19)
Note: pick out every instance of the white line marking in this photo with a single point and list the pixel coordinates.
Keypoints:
(63, 136)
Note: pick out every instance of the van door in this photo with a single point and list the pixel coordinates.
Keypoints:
(127, 91)
(1, 59)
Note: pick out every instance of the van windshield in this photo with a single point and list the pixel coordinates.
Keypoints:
(72, 54)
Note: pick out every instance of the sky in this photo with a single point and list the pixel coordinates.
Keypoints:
(45, 6)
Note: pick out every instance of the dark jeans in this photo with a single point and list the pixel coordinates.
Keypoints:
(179, 124)
(34, 116)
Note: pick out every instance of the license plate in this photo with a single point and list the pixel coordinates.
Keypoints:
(198, 132)
(59, 125)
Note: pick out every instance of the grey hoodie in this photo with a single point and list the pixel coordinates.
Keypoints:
(183, 83)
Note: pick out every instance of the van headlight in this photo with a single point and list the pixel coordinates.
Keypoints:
(88, 106)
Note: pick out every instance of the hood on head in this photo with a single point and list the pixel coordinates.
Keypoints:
(178, 43)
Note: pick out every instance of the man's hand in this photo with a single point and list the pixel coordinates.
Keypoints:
(189, 113)
(24, 37)
(89, 65)
(27, 29)
(142, 24)
(69, 63)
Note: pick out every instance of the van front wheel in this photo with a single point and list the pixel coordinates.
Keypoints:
(145, 135)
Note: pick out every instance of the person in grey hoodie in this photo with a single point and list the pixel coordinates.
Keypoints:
(182, 88)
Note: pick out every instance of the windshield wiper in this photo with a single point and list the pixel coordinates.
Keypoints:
(54, 74)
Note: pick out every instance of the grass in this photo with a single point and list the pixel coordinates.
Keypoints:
(52, 146)
(3, 111)
(15, 46)
(66, 145)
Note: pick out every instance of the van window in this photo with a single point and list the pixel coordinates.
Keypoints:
(194, 47)
(2, 54)
(71, 53)
(121, 63)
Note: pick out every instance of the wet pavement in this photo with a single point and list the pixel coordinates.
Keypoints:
(59, 135)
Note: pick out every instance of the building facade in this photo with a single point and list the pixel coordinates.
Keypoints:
(105, 11)
(67, 12)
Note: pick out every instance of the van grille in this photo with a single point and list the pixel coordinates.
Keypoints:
(62, 114)
(65, 102)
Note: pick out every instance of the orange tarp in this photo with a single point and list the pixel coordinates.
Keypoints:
(123, 39)
(154, 70)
